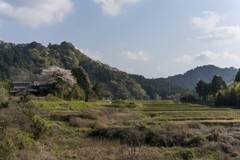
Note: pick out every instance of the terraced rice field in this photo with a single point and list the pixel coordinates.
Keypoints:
(161, 111)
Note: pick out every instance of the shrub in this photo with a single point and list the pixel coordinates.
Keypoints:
(4, 92)
(132, 137)
(4, 104)
(14, 139)
(41, 126)
(188, 154)
(24, 97)
(128, 136)
(140, 136)
(213, 155)
(197, 141)
(159, 140)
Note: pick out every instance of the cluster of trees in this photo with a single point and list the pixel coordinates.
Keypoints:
(73, 84)
(223, 95)
(230, 96)
(205, 89)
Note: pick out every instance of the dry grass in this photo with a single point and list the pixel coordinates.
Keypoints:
(80, 122)
(72, 126)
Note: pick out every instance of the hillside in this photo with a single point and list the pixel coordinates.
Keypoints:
(205, 73)
(25, 61)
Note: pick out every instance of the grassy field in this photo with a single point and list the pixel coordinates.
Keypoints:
(68, 130)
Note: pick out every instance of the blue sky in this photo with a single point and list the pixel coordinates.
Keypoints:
(154, 38)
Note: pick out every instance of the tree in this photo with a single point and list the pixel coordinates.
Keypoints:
(101, 90)
(82, 80)
(62, 79)
(217, 84)
(203, 89)
(77, 92)
(237, 78)
(56, 74)
(4, 94)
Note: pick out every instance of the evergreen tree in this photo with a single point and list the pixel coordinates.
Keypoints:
(203, 89)
(82, 80)
(237, 78)
(217, 84)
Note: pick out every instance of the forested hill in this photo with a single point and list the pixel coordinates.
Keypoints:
(205, 73)
(25, 61)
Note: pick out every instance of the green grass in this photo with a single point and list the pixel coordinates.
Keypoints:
(65, 105)
(158, 110)
(161, 111)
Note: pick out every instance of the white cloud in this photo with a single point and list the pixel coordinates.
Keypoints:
(114, 7)
(207, 57)
(225, 33)
(140, 56)
(95, 55)
(208, 23)
(36, 13)
(211, 29)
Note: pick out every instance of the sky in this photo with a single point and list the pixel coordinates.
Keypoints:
(154, 38)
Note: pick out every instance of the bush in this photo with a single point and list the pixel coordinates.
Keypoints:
(197, 141)
(188, 154)
(132, 137)
(141, 136)
(213, 155)
(158, 140)
(41, 126)
(4, 93)
(24, 97)
(14, 139)
(4, 104)
(128, 136)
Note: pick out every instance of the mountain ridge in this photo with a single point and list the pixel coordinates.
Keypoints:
(205, 73)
